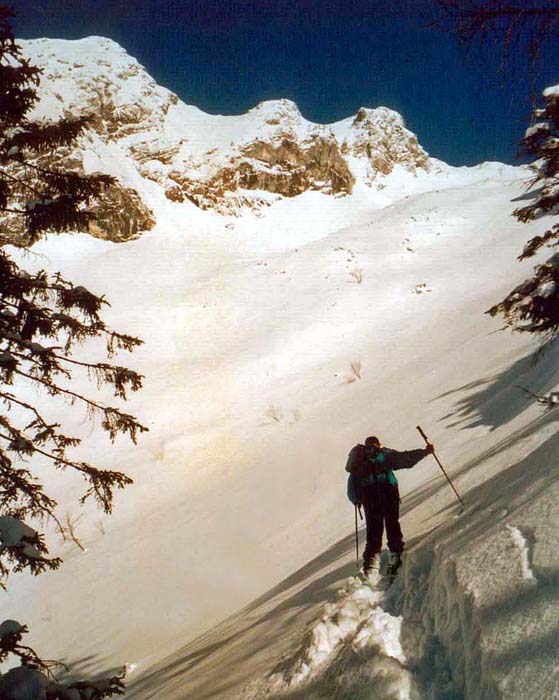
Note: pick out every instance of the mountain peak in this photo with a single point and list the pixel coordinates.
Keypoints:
(369, 115)
(279, 106)
(379, 135)
(142, 133)
(83, 51)
(281, 113)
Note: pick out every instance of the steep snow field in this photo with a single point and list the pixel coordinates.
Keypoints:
(473, 614)
(252, 404)
(274, 341)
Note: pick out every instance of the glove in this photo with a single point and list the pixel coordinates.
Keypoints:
(430, 448)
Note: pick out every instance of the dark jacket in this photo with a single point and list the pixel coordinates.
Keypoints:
(367, 470)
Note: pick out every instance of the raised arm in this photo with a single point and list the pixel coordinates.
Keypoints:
(408, 458)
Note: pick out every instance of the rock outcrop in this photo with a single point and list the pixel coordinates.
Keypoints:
(380, 136)
(120, 215)
(143, 134)
(282, 166)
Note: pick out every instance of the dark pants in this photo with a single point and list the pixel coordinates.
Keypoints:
(381, 504)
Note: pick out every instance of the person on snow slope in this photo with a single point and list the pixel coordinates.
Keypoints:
(373, 485)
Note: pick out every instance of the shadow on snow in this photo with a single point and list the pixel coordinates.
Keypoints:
(495, 401)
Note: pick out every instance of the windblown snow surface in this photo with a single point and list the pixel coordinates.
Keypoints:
(273, 344)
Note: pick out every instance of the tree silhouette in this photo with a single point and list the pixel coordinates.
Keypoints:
(44, 320)
(521, 28)
(533, 306)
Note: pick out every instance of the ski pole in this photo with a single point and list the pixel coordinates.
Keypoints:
(441, 466)
(356, 539)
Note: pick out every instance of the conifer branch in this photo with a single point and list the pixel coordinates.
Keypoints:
(21, 183)
(115, 420)
(41, 320)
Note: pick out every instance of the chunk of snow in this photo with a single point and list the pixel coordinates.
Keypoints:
(11, 627)
(381, 631)
(13, 531)
(30, 551)
(539, 128)
(74, 694)
(30, 204)
(15, 131)
(24, 683)
(546, 289)
(355, 618)
(6, 358)
(37, 348)
(521, 543)
(552, 91)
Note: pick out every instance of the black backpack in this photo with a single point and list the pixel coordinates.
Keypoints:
(359, 464)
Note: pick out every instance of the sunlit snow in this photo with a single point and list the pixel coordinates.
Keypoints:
(273, 343)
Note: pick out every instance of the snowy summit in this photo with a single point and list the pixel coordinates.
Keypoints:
(143, 131)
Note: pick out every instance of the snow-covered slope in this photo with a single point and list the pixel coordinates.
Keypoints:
(473, 614)
(276, 339)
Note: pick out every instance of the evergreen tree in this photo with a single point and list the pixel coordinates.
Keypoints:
(524, 29)
(44, 319)
(533, 307)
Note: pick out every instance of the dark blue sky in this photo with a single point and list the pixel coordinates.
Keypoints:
(329, 56)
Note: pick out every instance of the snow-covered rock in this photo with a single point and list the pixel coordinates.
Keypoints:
(380, 137)
(142, 131)
(24, 683)
(14, 532)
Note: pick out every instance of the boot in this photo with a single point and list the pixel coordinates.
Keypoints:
(394, 563)
(372, 566)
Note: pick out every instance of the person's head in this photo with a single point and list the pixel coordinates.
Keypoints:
(372, 443)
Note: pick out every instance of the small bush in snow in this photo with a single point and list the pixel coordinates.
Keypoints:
(357, 275)
(275, 413)
(356, 367)
(356, 370)
(69, 530)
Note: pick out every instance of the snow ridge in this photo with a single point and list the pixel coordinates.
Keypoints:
(354, 643)
(143, 134)
(440, 633)
(523, 546)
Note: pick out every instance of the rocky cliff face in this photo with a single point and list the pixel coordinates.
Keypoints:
(380, 137)
(281, 166)
(119, 215)
(142, 134)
